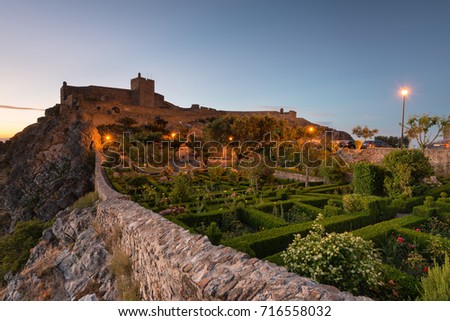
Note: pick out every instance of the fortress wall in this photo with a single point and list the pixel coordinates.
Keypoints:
(97, 92)
(170, 263)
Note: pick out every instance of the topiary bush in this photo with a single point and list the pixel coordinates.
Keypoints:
(405, 170)
(343, 260)
(368, 179)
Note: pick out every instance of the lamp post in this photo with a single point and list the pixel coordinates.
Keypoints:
(404, 92)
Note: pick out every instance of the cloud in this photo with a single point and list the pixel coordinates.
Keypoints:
(19, 108)
(325, 123)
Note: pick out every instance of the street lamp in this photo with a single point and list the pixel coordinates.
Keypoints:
(404, 93)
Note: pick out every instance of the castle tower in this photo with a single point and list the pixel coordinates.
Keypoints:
(143, 91)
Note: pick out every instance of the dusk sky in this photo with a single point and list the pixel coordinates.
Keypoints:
(337, 63)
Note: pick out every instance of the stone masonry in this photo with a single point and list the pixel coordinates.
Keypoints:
(439, 158)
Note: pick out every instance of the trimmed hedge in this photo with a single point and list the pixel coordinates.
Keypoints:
(368, 179)
(372, 205)
(406, 204)
(275, 258)
(330, 210)
(206, 217)
(268, 242)
(436, 191)
(425, 211)
(379, 232)
(268, 207)
(258, 219)
(312, 200)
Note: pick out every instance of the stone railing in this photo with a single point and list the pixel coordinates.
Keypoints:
(170, 263)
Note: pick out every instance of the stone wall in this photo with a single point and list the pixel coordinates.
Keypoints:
(297, 176)
(170, 263)
(439, 158)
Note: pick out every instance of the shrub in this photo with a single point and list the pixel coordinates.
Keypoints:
(368, 179)
(343, 260)
(405, 171)
(352, 203)
(213, 233)
(372, 205)
(15, 248)
(424, 211)
(396, 285)
(333, 174)
(436, 285)
(181, 189)
(330, 210)
(405, 204)
(86, 201)
(258, 219)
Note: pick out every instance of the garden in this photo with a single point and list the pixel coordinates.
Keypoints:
(384, 234)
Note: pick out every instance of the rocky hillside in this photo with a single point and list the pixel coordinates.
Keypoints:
(50, 165)
(70, 263)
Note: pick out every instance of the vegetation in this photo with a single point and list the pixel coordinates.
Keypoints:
(368, 179)
(364, 132)
(419, 126)
(15, 248)
(436, 285)
(394, 141)
(405, 170)
(85, 201)
(247, 208)
(344, 260)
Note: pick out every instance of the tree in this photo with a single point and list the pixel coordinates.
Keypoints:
(127, 122)
(364, 132)
(394, 141)
(405, 171)
(418, 127)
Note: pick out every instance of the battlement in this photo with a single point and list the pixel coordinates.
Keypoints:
(142, 93)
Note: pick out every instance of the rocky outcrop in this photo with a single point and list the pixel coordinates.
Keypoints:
(51, 165)
(70, 263)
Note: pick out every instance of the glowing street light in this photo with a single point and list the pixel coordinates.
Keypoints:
(173, 135)
(230, 138)
(404, 92)
(311, 129)
(108, 138)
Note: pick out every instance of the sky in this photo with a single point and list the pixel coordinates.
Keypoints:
(337, 63)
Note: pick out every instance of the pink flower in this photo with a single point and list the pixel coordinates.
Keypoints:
(412, 246)
(400, 239)
(425, 269)
(417, 229)
(395, 293)
(391, 282)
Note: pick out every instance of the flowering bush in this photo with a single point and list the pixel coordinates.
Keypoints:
(343, 260)
(432, 181)
(404, 255)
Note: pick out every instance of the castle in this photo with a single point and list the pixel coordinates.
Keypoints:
(104, 105)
